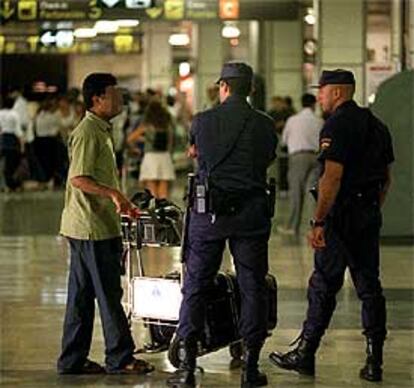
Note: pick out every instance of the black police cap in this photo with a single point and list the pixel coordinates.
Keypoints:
(336, 77)
(235, 70)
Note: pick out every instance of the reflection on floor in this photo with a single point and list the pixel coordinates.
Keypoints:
(33, 270)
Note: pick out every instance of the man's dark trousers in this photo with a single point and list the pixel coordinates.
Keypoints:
(95, 271)
(248, 235)
(352, 238)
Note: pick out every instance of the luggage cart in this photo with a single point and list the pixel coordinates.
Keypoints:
(156, 300)
(153, 300)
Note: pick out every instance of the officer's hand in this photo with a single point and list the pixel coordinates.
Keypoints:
(192, 151)
(316, 238)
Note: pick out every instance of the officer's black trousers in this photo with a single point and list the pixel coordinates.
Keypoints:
(95, 273)
(247, 234)
(352, 240)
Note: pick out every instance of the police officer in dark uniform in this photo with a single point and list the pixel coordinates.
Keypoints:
(356, 153)
(234, 144)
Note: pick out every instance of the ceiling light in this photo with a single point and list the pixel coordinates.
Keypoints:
(127, 23)
(106, 26)
(84, 33)
(184, 69)
(230, 31)
(179, 40)
(310, 17)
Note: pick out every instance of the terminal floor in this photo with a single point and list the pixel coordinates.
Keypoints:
(33, 276)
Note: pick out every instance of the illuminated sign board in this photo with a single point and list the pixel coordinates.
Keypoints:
(31, 10)
(54, 10)
(197, 9)
(62, 42)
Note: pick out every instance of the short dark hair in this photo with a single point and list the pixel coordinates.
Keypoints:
(95, 85)
(240, 86)
(308, 100)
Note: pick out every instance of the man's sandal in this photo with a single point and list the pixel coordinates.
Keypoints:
(135, 367)
(88, 368)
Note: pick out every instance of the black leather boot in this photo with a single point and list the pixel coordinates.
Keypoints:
(301, 359)
(372, 370)
(184, 376)
(251, 376)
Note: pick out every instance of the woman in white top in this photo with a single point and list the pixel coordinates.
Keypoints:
(156, 132)
(11, 142)
(46, 127)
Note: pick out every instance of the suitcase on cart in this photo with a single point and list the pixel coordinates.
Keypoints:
(222, 315)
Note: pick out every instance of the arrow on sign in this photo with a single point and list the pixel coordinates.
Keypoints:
(110, 3)
(7, 11)
(154, 13)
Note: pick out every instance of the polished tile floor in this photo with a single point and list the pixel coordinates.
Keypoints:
(33, 272)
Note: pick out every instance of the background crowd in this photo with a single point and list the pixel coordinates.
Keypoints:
(150, 138)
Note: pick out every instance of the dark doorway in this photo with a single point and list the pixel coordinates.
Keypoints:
(23, 71)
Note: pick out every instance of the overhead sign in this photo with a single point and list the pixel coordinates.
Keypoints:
(7, 11)
(155, 12)
(229, 9)
(174, 9)
(139, 4)
(27, 10)
(110, 3)
(63, 42)
(201, 9)
(77, 10)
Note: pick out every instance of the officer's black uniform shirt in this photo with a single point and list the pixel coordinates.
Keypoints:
(358, 140)
(215, 131)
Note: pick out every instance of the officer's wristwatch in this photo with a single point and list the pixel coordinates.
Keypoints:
(317, 223)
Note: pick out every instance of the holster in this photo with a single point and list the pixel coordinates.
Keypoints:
(271, 196)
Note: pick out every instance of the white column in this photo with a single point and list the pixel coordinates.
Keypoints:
(283, 59)
(254, 38)
(156, 67)
(208, 53)
(396, 31)
(410, 50)
(342, 39)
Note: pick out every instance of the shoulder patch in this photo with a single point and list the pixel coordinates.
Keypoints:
(325, 143)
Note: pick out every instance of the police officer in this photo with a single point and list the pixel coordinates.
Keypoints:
(356, 153)
(234, 144)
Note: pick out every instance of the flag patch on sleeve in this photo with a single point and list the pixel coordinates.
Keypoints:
(325, 143)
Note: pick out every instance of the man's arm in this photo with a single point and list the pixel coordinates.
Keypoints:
(192, 151)
(328, 188)
(386, 186)
(90, 186)
(137, 135)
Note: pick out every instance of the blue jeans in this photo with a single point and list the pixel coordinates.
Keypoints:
(95, 272)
